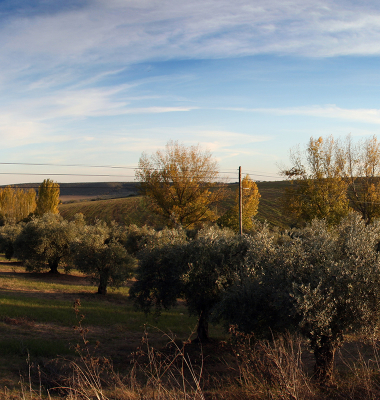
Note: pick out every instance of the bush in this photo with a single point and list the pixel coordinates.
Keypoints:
(45, 242)
(100, 254)
(321, 282)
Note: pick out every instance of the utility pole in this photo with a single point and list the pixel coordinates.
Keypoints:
(240, 204)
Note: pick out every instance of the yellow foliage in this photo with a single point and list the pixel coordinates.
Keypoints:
(16, 204)
(180, 182)
(250, 203)
(319, 189)
(363, 174)
(48, 197)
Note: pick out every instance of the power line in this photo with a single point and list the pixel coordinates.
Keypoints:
(258, 173)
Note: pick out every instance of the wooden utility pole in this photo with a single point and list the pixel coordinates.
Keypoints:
(240, 204)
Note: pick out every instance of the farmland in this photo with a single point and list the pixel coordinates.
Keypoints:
(42, 348)
(133, 209)
(64, 340)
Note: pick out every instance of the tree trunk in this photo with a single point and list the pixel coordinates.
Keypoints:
(54, 266)
(202, 328)
(103, 283)
(324, 360)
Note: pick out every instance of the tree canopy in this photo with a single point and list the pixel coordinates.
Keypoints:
(45, 242)
(321, 282)
(196, 270)
(48, 197)
(363, 175)
(335, 177)
(16, 204)
(181, 183)
(250, 202)
(99, 253)
(319, 187)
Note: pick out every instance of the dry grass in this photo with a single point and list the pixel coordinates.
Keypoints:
(259, 370)
(128, 364)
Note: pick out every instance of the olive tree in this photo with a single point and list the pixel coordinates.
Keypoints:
(8, 236)
(195, 270)
(45, 243)
(321, 282)
(100, 254)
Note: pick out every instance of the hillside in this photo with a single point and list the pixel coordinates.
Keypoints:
(91, 190)
(133, 209)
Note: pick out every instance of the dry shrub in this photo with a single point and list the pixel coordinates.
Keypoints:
(271, 369)
(361, 376)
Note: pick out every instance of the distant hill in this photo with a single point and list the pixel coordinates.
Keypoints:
(121, 202)
(91, 190)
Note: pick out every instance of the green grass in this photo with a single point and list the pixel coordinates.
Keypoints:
(37, 318)
(34, 347)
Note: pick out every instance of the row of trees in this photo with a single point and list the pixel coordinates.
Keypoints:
(333, 178)
(321, 282)
(50, 243)
(182, 185)
(18, 204)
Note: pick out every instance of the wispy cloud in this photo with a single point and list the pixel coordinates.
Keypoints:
(371, 116)
(104, 32)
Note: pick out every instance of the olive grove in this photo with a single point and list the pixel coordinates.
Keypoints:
(321, 282)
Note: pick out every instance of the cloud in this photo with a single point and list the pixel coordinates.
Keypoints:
(371, 116)
(120, 32)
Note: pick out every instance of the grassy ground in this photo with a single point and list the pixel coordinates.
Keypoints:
(40, 333)
(37, 319)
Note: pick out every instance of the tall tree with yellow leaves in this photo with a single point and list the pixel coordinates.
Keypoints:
(363, 174)
(250, 202)
(319, 186)
(181, 183)
(16, 204)
(48, 197)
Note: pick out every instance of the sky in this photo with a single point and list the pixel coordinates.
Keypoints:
(87, 86)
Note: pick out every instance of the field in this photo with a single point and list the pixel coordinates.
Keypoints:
(130, 356)
(133, 209)
(59, 339)
(37, 321)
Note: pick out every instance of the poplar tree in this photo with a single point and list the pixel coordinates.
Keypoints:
(48, 197)
(250, 201)
(16, 204)
(333, 178)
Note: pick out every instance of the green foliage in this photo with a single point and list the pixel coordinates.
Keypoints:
(99, 253)
(8, 235)
(137, 238)
(196, 270)
(48, 197)
(322, 282)
(45, 242)
(158, 275)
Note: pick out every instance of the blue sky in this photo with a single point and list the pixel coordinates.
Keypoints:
(96, 83)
